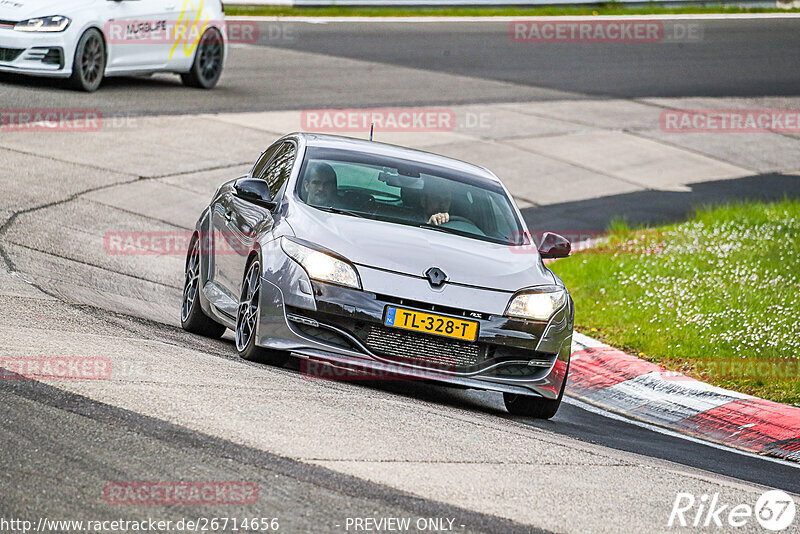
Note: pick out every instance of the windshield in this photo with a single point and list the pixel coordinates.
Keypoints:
(405, 192)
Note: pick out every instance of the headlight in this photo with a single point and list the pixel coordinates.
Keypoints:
(539, 303)
(321, 266)
(56, 23)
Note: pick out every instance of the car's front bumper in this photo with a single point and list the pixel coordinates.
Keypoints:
(344, 327)
(36, 53)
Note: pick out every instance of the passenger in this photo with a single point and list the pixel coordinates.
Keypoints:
(320, 185)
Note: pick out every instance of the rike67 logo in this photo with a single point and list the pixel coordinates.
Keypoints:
(774, 510)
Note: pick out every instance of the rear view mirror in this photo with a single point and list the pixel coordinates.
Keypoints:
(254, 190)
(400, 180)
(554, 246)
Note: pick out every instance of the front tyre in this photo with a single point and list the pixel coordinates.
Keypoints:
(536, 407)
(207, 64)
(247, 319)
(193, 319)
(89, 63)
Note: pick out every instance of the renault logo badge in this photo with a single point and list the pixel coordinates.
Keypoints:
(435, 276)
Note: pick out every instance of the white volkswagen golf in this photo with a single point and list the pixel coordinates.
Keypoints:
(85, 40)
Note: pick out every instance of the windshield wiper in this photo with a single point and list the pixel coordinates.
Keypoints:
(446, 230)
(340, 211)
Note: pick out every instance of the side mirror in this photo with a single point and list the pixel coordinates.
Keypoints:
(254, 190)
(554, 246)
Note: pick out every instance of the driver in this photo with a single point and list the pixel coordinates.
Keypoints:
(320, 185)
(435, 202)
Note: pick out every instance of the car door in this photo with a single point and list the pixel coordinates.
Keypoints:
(238, 222)
(140, 33)
(190, 19)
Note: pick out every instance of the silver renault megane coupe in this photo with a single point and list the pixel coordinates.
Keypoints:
(358, 255)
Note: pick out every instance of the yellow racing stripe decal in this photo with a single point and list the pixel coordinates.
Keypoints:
(186, 30)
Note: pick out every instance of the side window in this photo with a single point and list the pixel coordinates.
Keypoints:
(258, 168)
(279, 169)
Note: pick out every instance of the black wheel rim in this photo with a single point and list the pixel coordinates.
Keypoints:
(209, 60)
(191, 283)
(247, 314)
(91, 60)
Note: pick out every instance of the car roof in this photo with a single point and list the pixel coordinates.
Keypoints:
(385, 149)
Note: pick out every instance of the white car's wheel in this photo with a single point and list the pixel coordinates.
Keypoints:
(89, 63)
(207, 65)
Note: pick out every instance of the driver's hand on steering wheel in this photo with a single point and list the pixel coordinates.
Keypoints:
(438, 218)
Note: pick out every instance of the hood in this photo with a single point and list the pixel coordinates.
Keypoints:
(412, 251)
(18, 10)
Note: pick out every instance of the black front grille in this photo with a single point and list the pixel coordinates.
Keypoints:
(10, 54)
(424, 350)
(421, 349)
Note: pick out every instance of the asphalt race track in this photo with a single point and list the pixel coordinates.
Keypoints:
(187, 408)
(730, 58)
(744, 58)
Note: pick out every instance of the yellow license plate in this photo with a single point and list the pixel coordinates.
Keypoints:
(431, 323)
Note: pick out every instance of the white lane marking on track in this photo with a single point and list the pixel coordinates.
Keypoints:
(667, 432)
(698, 16)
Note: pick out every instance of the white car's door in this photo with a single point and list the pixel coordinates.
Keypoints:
(191, 19)
(140, 34)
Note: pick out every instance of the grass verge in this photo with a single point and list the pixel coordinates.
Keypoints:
(605, 9)
(716, 297)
